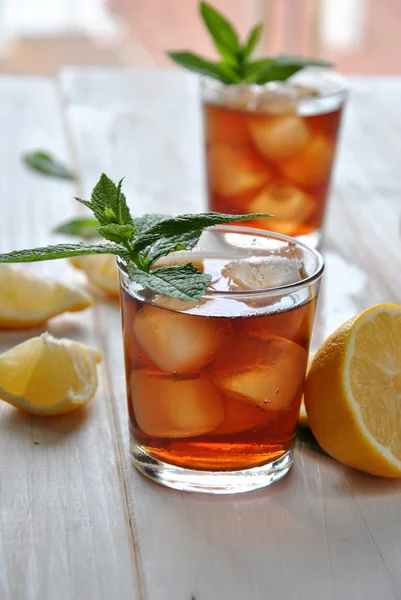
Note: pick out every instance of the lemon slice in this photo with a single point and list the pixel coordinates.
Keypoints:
(47, 376)
(27, 299)
(101, 270)
(303, 417)
(353, 392)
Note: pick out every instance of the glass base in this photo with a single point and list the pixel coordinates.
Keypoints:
(211, 482)
(312, 239)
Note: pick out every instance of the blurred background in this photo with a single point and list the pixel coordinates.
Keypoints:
(38, 37)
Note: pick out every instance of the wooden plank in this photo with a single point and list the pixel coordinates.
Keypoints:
(163, 164)
(324, 531)
(63, 521)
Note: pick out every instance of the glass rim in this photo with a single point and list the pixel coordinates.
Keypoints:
(248, 294)
(208, 83)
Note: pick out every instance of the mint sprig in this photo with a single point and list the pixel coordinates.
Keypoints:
(140, 242)
(236, 65)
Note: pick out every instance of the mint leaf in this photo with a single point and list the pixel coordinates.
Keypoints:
(117, 233)
(45, 163)
(124, 215)
(223, 33)
(284, 67)
(108, 203)
(62, 251)
(86, 228)
(165, 246)
(276, 72)
(251, 70)
(184, 282)
(176, 226)
(301, 61)
(252, 41)
(148, 220)
(200, 65)
(229, 72)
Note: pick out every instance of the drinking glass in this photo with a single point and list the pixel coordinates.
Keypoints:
(271, 149)
(214, 387)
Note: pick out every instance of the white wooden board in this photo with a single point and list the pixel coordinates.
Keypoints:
(324, 531)
(64, 524)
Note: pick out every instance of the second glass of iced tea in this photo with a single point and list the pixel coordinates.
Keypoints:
(214, 387)
(271, 149)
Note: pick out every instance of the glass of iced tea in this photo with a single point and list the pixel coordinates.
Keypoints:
(271, 149)
(214, 387)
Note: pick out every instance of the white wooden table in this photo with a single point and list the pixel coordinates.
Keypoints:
(77, 522)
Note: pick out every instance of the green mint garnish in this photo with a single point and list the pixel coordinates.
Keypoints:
(108, 203)
(224, 36)
(139, 242)
(252, 42)
(236, 65)
(178, 281)
(45, 163)
(177, 228)
(61, 251)
(84, 227)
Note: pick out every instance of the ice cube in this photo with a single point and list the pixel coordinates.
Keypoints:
(267, 374)
(289, 205)
(291, 324)
(135, 357)
(312, 165)
(241, 417)
(278, 138)
(171, 407)
(135, 354)
(225, 125)
(275, 98)
(176, 342)
(175, 304)
(236, 169)
(304, 91)
(179, 258)
(262, 272)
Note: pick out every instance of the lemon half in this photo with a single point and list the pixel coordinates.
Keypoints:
(353, 392)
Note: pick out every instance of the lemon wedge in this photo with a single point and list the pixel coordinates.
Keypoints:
(303, 417)
(47, 376)
(353, 392)
(101, 270)
(27, 299)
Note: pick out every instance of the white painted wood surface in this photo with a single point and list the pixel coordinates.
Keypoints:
(76, 520)
(64, 528)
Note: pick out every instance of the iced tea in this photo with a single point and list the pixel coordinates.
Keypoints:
(216, 385)
(272, 152)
